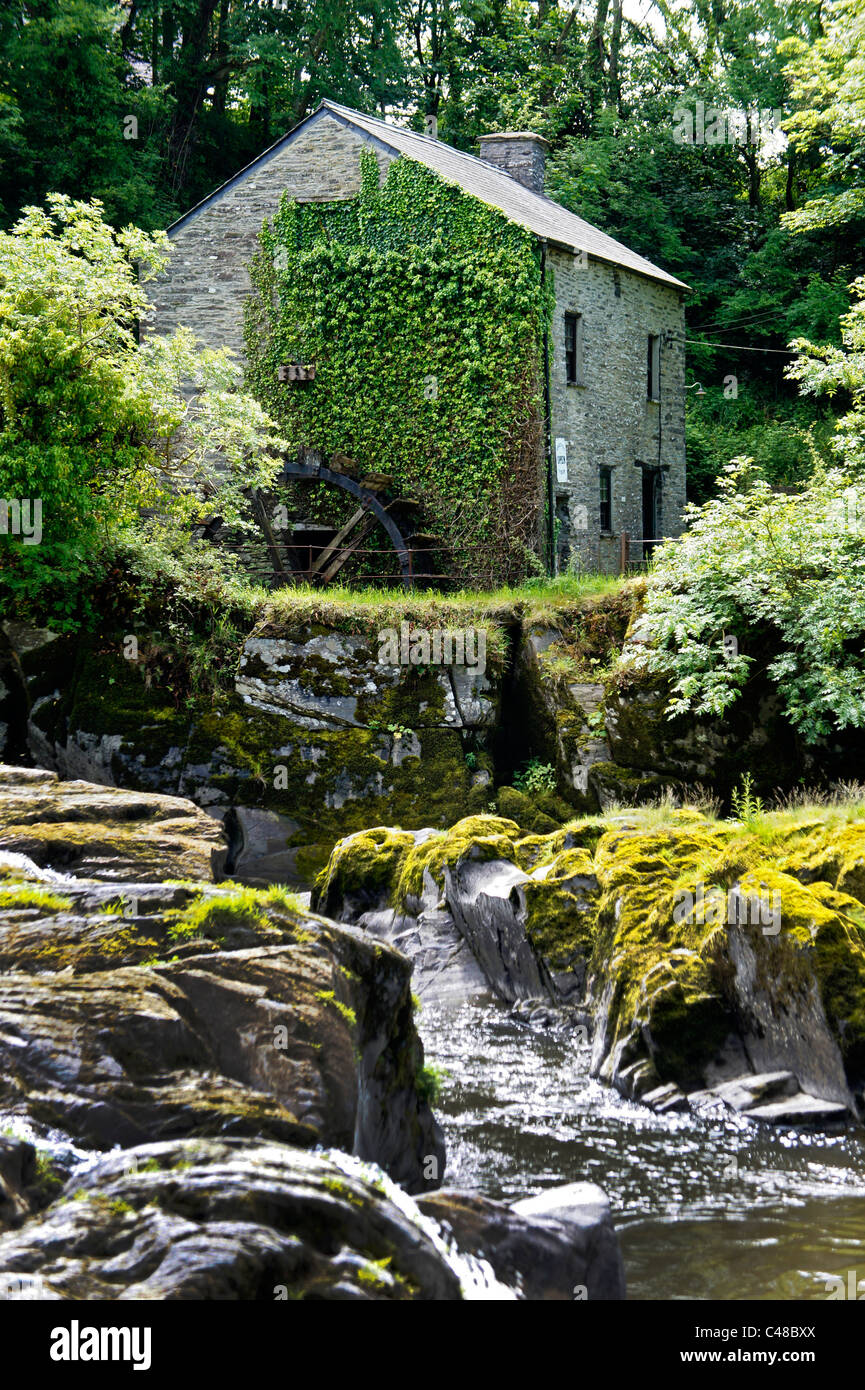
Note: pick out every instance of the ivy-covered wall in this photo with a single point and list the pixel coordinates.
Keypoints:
(424, 312)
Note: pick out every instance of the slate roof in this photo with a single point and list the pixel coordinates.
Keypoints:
(534, 211)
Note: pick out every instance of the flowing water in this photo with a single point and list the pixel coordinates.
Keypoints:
(705, 1208)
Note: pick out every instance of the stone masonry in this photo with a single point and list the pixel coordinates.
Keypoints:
(609, 421)
(207, 282)
(605, 422)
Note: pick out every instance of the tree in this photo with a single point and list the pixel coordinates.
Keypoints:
(92, 426)
(828, 84)
(770, 580)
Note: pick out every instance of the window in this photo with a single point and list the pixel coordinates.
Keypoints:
(574, 349)
(606, 509)
(653, 368)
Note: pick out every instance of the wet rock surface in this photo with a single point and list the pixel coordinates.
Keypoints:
(135, 1011)
(215, 1034)
(223, 1219)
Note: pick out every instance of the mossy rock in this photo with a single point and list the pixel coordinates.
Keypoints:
(362, 873)
(481, 837)
(561, 910)
(531, 812)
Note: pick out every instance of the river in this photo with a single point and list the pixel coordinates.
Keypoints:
(705, 1208)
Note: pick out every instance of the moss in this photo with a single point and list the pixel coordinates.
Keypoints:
(362, 871)
(327, 996)
(815, 850)
(561, 909)
(428, 1082)
(539, 812)
(341, 1189)
(24, 896)
(483, 837)
(626, 785)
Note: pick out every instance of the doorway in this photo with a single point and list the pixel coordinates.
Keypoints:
(651, 510)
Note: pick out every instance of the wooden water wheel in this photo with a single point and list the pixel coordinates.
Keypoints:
(316, 553)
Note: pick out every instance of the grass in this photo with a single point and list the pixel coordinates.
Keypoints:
(387, 607)
(235, 906)
(837, 805)
(22, 896)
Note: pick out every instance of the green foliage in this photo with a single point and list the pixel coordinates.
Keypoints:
(746, 806)
(536, 777)
(768, 578)
(94, 426)
(429, 1081)
(414, 301)
(827, 78)
(68, 101)
(786, 439)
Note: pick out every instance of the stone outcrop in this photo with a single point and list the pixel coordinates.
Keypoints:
(133, 1010)
(104, 832)
(224, 1219)
(217, 1034)
(318, 737)
(702, 952)
(557, 1246)
(230, 1219)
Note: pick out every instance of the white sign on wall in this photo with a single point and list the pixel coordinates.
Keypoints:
(561, 460)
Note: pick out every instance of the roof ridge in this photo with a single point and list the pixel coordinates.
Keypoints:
(537, 212)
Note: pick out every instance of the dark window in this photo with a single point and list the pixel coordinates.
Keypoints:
(574, 349)
(653, 368)
(606, 484)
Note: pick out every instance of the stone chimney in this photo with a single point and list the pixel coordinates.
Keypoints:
(519, 153)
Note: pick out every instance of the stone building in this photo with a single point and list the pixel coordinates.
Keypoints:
(615, 432)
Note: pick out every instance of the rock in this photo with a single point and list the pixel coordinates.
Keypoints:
(745, 1092)
(318, 738)
(774, 1098)
(801, 1110)
(443, 967)
(568, 1252)
(17, 1174)
(264, 1021)
(582, 1211)
(480, 897)
(700, 956)
(664, 1099)
(262, 854)
(225, 1219)
(363, 870)
(783, 1021)
(564, 713)
(105, 833)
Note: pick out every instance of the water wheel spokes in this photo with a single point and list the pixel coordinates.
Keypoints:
(340, 549)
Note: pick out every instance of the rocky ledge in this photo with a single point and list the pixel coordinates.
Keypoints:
(714, 963)
(174, 1054)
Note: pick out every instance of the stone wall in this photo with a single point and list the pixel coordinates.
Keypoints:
(207, 281)
(605, 421)
(608, 420)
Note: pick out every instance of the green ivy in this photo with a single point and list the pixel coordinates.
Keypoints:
(424, 311)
